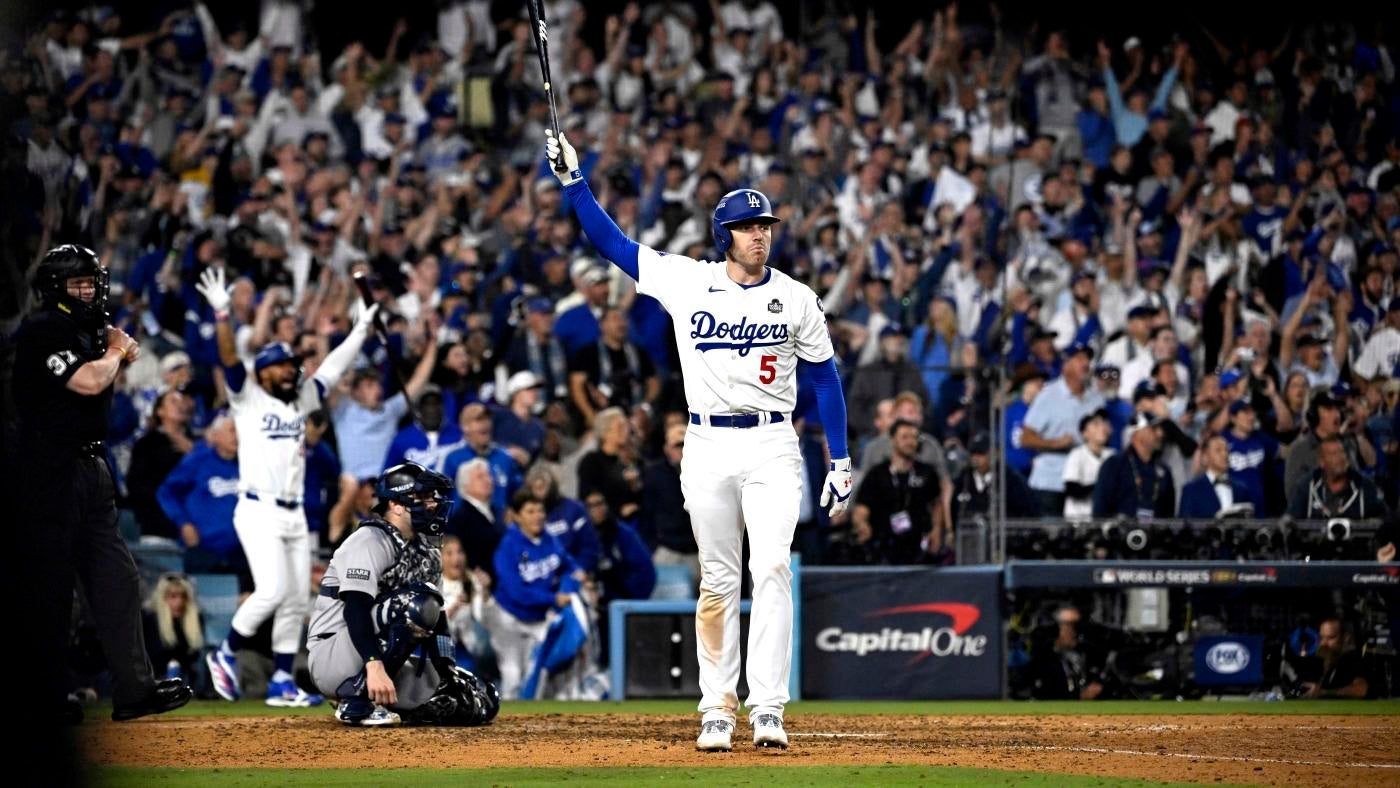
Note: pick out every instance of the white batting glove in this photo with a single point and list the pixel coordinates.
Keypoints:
(364, 321)
(837, 490)
(554, 149)
(215, 291)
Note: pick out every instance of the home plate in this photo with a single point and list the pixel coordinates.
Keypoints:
(843, 735)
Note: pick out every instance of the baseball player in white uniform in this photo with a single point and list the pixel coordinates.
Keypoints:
(270, 412)
(742, 329)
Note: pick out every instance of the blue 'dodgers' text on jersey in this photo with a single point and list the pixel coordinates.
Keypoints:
(750, 335)
(277, 429)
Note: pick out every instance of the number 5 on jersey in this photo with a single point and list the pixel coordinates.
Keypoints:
(767, 372)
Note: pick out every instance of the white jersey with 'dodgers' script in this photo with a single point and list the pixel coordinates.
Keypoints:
(739, 345)
(271, 437)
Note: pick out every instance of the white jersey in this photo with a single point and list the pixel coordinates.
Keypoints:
(272, 437)
(1082, 467)
(739, 346)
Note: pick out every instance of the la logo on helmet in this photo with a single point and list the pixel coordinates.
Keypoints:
(753, 200)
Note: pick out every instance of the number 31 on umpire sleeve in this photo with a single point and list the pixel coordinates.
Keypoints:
(767, 371)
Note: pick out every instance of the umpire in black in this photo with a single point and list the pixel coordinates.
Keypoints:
(66, 360)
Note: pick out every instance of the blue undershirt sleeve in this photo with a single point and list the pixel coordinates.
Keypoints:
(601, 229)
(831, 404)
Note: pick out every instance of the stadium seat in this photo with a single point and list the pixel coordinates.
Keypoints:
(218, 599)
(674, 581)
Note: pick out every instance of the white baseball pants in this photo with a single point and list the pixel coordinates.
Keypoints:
(278, 548)
(736, 480)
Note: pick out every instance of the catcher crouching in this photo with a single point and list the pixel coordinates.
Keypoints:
(379, 604)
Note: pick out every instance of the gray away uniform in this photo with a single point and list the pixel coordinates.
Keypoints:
(375, 560)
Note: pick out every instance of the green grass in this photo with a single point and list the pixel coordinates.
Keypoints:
(252, 708)
(777, 777)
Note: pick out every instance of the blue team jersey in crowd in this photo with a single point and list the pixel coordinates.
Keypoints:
(568, 522)
(414, 444)
(506, 476)
(577, 328)
(529, 572)
(1017, 457)
(203, 489)
(322, 486)
(1250, 458)
(1265, 226)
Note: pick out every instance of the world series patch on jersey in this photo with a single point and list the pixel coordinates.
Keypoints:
(739, 345)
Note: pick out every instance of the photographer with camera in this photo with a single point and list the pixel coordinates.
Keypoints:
(1068, 666)
(1341, 674)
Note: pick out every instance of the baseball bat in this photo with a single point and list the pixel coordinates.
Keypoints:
(541, 30)
(362, 284)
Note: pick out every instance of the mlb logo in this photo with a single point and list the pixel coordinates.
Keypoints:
(775, 306)
(753, 200)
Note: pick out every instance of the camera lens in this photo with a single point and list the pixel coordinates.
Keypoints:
(1136, 539)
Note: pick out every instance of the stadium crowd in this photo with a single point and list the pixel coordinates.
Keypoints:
(1170, 259)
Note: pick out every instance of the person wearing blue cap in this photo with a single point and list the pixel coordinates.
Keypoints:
(1134, 483)
(1254, 461)
(536, 349)
(438, 153)
(1130, 118)
(270, 411)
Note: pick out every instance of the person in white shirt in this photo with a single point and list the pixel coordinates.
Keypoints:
(1222, 119)
(1381, 355)
(1162, 347)
(1134, 342)
(1083, 304)
(1082, 465)
(760, 16)
(994, 139)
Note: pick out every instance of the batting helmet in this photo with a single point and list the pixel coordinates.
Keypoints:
(740, 205)
(65, 262)
(414, 487)
(275, 353)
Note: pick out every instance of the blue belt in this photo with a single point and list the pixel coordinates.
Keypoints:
(252, 496)
(741, 421)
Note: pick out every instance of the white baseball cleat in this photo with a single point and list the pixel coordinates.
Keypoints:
(716, 736)
(362, 712)
(768, 732)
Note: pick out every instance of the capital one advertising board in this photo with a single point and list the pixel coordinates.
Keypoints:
(901, 633)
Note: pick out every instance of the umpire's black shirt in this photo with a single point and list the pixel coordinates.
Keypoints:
(54, 420)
